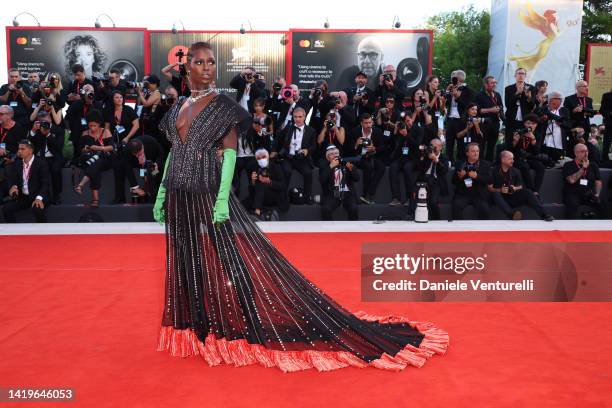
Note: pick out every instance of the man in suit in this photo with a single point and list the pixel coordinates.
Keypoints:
(432, 169)
(461, 96)
(267, 185)
(606, 111)
(291, 100)
(337, 183)
(519, 101)
(29, 181)
(490, 109)
(360, 97)
(48, 140)
(554, 129)
(389, 84)
(295, 147)
(249, 87)
(471, 180)
(580, 107)
(371, 147)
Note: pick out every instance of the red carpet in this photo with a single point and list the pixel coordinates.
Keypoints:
(84, 312)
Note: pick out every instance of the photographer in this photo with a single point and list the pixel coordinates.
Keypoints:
(471, 180)
(526, 154)
(606, 112)
(390, 85)
(180, 82)
(149, 98)
(458, 96)
(437, 102)
(506, 188)
(146, 155)
(291, 100)
(404, 158)
(95, 157)
(491, 109)
(108, 86)
(580, 107)
(245, 159)
(51, 88)
(541, 96)
(555, 126)
(519, 101)
(345, 115)
(75, 90)
(275, 99)
(295, 147)
(76, 117)
(582, 185)
(120, 119)
(48, 140)
(18, 97)
(337, 179)
(361, 98)
(28, 179)
(267, 185)
(11, 133)
(420, 114)
(33, 80)
(47, 105)
(321, 102)
(331, 135)
(471, 133)
(259, 113)
(432, 168)
(387, 116)
(371, 148)
(249, 86)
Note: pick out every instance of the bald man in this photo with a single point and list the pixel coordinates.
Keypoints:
(369, 61)
(580, 107)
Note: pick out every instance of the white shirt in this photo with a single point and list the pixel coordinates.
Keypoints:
(454, 109)
(554, 136)
(289, 117)
(245, 97)
(296, 140)
(26, 176)
(245, 151)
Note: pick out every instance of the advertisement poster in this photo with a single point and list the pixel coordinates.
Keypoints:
(599, 71)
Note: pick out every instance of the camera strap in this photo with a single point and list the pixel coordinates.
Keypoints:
(3, 134)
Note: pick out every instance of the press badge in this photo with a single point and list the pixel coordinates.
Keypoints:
(387, 133)
(83, 122)
(120, 129)
(468, 182)
(405, 150)
(142, 172)
(584, 182)
(3, 146)
(14, 104)
(468, 140)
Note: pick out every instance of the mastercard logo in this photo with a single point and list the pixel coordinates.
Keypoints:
(22, 40)
(304, 43)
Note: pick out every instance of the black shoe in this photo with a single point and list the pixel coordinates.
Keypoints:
(548, 218)
(309, 201)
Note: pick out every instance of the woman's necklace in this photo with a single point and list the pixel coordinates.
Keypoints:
(202, 93)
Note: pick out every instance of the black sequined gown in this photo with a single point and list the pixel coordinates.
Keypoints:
(232, 297)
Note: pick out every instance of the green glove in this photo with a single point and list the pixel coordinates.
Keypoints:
(221, 210)
(158, 209)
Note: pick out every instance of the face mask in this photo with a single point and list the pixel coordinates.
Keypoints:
(262, 163)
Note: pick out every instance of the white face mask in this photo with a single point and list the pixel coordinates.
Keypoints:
(262, 163)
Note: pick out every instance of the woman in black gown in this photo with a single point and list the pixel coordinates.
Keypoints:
(231, 297)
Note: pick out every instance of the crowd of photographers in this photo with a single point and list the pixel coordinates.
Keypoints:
(497, 149)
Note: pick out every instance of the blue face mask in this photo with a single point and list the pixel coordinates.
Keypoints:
(262, 163)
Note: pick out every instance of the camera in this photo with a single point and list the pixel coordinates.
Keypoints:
(523, 131)
(18, 85)
(317, 92)
(45, 125)
(589, 111)
(300, 155)
(149, 165)
(287, 92)
(105, 79)
(276, 87)
(49, 102)
(180, 54)
(167, 100)
(329, 124)
(53, 82)
(510, 189)
(89, 95)
(470, 167)
(263, 171)
(401, 125)
(258, 76)
(387, 77)
(423, 102)
(34, 86)
(248, 76)
(88, 159)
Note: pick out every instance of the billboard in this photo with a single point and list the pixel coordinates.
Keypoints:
(599, 71)
(263, 50)
(337, 55)
(542, 36)
(44, 49)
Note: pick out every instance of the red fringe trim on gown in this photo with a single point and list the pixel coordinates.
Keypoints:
(184, 343)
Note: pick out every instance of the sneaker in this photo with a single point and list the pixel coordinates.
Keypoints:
(517, 216)
(395, 202)
(371, 199)
(364, 200)
(548, 218)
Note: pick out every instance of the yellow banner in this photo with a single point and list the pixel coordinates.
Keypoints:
(599, 71)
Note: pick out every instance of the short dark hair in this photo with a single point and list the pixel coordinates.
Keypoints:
(531, 117)
(76, 68)
(200, 45)
(95, 116)
(365, 116)
(259, 101)
(114, 71)
(27, 142)
(153, 79)
(134, 145)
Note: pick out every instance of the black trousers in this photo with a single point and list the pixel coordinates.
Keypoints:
(302, 166)
(94, 171)
(248, 164)
(261, 195)
(572, 202)
(433, 198)
(348, 201)
(408, 168)
(461, 201)
(507, 202)
(55, 168)
(554, 154)
(20, 204)
(373, 170)
(453, 126)
(490, 133)
(525, 166)
(511, 126)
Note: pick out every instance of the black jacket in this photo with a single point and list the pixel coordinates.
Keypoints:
(38, 182)
(383, 147)
(412, 141)
(606, 109)
(485, 101)
(258, 90)
(309, 141)
(511, 99)
(326, 177)
(567, 139)
(284, 107)
(277, 177)
(467, 96)
(579, 119)
(441, 172)
(54, 142)
(479, 184)
(361, 108)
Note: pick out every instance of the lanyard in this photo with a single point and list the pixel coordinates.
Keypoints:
(493, 99)
(3, 133)
(26, 171)
(583, 102)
